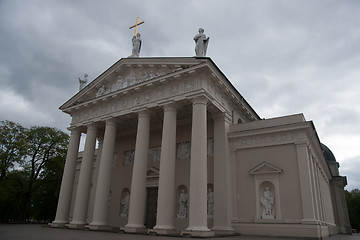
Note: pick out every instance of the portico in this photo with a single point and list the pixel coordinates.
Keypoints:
(171, 147)
(151, 102)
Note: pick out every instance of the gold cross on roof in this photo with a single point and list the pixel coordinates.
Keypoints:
(136, 25)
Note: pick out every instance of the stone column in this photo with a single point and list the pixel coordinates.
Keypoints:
(198, 172)
(83, 188)
(305, 183)
(104, 176)
(67, 183)
(222, 182)
(138, 182)
(166, 194)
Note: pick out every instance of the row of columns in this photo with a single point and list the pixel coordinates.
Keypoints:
(166, 193)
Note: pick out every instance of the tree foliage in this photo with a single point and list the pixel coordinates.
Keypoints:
(30, 191)
(353, 203)
(12, 146)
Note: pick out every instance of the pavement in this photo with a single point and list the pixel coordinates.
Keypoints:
(43, 232)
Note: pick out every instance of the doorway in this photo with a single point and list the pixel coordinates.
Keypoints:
(151, 207)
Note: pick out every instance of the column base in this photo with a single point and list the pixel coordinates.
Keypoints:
(201, 234)
(164, 232)
(58, 224)
(309, 221)
(137, 229)
(76, 225)
(99, 227)
(228, 231)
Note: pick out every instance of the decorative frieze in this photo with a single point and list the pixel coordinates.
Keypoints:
(189, 86)
(133, 77)
(263, 140)
(147, 97)
(183, 151)
(174, 89)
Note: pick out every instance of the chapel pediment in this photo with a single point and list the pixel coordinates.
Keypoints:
(152, 173)
(264, 168)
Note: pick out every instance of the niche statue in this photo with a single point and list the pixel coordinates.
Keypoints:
(125, 202)
(267, 201)
(182, 204)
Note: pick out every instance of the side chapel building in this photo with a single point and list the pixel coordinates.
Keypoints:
(180, 151)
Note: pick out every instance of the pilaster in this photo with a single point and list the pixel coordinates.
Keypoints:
(222, 181)
(306, 186)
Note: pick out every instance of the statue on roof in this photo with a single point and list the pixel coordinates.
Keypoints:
(136, 40)
(83, 82)
(201, 43)
(136, 43)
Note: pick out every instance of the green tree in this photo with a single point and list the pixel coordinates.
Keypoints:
(45, 146)
(11, 192)
(353, 203)
(12, 146)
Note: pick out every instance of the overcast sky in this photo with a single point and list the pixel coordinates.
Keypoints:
(284, 57)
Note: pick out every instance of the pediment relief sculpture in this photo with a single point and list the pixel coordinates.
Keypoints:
(265, 167)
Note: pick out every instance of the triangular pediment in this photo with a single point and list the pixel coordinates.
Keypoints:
(152, 173)
(128, 74)
(134, 84)
(264, 168)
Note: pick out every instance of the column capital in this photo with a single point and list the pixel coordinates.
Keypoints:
(74, 130)
(144, 114)
(110, 121)
(199, 100)
(91, 126)
(222, 116)
(302, 143)
(170, 107)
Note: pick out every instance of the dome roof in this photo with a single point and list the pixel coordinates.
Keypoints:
(329, 156)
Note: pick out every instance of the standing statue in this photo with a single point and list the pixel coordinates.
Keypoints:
(125, 204)
(267, 201)
(136, 43)
(182, 204)
(201, 43)
(210, 203)
(83, 82)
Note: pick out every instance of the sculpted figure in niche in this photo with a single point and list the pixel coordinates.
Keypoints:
(267, 201)
(83, 82)
(210, 202)
(201, 43)
(182, 204)
(125, 204)
(136, 42)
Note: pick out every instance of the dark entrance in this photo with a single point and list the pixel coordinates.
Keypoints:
(151, 207)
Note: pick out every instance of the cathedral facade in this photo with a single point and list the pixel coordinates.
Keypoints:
(173, 148)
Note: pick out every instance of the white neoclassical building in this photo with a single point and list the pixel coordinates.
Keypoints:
(173, 148)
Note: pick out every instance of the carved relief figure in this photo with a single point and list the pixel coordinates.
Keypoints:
(267, 201)
(201, 43)
(83, 82)
(182, 204)
(118, 84)
(101, 91)
(136, 42)
(125, 202)
(210, 202)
